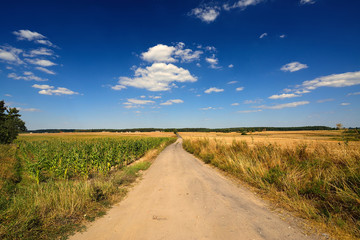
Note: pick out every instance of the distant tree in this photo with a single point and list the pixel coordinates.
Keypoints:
(339, 126)
(10, 123)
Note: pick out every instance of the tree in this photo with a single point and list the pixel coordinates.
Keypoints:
(339, 126)
(10, 124)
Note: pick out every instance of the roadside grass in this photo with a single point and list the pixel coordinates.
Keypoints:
(319, 182)
(56, 207)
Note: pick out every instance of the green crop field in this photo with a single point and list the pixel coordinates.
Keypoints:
(50, 184)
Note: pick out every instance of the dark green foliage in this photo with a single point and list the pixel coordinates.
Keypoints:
(10, 124)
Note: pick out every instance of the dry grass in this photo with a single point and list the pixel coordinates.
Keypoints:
(318, 179)
(281, 138)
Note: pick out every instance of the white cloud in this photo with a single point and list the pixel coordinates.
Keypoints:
(243, 4)
(28, 77)
(50, 90)
(45, 42)
(213, 61)
(263, 35)
(44, 86)
(10, 54)
(41, 62)
(188, 55)
(139, 101)
(205, 13)
(171, 102)
(28, 35)
(282, 36)
(352, 94)
(285, 105)
(7, 95)
(155, 97)
(231, 66)
(232, 82)
(45, 70)
(335, 80)
(208, 108)
(284, 95)
(293, 67)
(253, 101)
(345, 104)
(166, 54)
(250, 111)
(41, 51)
(235, 104)
(213, 89)
(157, 77)
(325, 100)
(239, 89)
(136, 103)
(118, 87)
(28, 109)
(198, 64)
(159, 53)
(303, 2)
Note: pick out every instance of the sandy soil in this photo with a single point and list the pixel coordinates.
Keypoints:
(181, 198)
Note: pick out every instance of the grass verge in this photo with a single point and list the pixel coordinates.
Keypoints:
(319, 183)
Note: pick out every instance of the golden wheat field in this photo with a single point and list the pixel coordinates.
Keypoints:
(331, 138)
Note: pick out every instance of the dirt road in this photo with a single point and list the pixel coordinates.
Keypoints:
(181, 198)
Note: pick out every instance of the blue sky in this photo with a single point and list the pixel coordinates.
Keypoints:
(130, 64)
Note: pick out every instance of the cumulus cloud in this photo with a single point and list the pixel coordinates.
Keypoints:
(45, 70)
(171, 102)
(167, 54)
(51, 90)
(239, 89)
(235, 104)
(10, 54)
(293, 67)
(284, 95)
(242, 4)
(157, 77)
(159, 53)
(213, 89)
(263, 35)
(303, 2)
(28, 76)
(345, 104)
(206, 13)
(285, 105)
(186, 55)
(41, 62)
(282, 36)
(231, 66)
